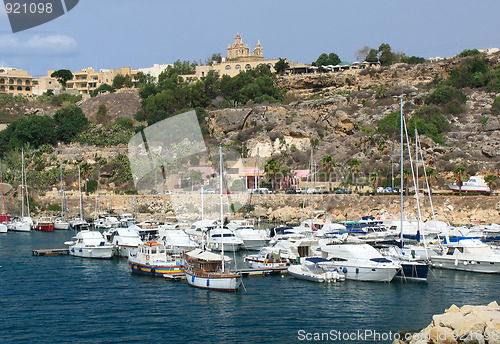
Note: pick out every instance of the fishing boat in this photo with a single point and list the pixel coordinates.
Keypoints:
(268, 257)
(90, 244)
(151, 258)
(468, 255)
(45, 224)
(316, 269)
(208, 270)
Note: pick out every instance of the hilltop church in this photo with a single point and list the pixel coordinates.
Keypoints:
(238, 59)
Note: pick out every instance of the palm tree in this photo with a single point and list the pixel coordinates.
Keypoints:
(431, 176)
(374, 179)
(272, 167)
(460, 176)
(490, 181)
(355, 167)
(328, 164)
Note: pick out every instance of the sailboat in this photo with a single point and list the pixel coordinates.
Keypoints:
(411, 269)
(79, 222)
(60, 223)
(23, 223)
(3, 217)
(208, 270)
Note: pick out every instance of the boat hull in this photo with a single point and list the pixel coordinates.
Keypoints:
(45, 227)
(296, 271)
(157, 270)
(228, 247)
(256, 263)
(61, 226)
(100, 252)
(254, 244)
(413, 271)
(464, 264)
(221, 283)
(368, 274)
(3, 228)
(20, 227)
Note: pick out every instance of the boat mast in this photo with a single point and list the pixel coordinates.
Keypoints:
(401, 168)
(22, 183)
(221, 207)
(97, 193)
(62, 194)
(1, 186)
(258, 188)
(80, 191)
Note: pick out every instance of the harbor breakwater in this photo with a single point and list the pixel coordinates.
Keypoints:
(454, 209)
(467, 324)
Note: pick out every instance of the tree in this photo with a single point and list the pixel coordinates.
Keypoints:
(431, 176)
(121, 81)
(102, 114)
(33, 130)
(272, 167)
(62, 76)
(490, 181)
(372, 56)
(214, 58)
(69, 122)
(281, 66)
(460, 176)
(103, 88)
(328, 164)
(386, 56)
(355, 167)
(325, 60)
(362, 53)
(374, 179)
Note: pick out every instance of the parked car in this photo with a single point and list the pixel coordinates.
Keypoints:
(262, 191)
(209, 191)
(290, 191)
(342, 192)
(322, 190)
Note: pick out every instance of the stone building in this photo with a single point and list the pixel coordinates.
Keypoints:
(15, 82)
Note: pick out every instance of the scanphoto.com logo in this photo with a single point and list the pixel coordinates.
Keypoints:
(26, 14)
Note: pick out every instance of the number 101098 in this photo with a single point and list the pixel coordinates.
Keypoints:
(24, 8)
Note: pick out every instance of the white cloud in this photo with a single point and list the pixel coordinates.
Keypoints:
(38, 45)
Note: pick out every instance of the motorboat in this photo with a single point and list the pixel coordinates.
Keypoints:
(253, 239)
(151, 258)
(208, 270)
(60, 224)
(90, 244)
(468, 255)
(78, 223)
(229, 240)
(316, 269)
(268, 257)
(360, 262)
(474, 184)
(106, 222)
(124, 240)
(3, 228)
(45, 224)
(20, 224)
(176, 240)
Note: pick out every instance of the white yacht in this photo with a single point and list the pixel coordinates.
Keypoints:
(20, 224)
(360, 262)
(316, 269)
(468, 255)
(124, 240)
(253, 239)
(229, 240)
(176, 240)
(474, 184)
(90, 244)
(60, 224)
(106, 222)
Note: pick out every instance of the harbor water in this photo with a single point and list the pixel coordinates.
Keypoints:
(65, 299)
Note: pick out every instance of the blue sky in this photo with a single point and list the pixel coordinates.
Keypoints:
(138, 33)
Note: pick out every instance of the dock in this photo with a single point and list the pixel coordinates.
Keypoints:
(263, 271)
(51, 252)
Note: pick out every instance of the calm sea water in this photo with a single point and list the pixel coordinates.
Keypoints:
(64, 299)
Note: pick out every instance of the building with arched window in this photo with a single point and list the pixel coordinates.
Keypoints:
(238, 59)
(15, 82)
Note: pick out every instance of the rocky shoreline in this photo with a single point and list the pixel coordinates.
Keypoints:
(454, 209)
(467, 324)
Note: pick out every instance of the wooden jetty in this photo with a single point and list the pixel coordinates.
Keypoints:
(51, 252)
(263, 271)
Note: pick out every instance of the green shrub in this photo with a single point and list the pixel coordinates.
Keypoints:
(54, 207)
(469, 52)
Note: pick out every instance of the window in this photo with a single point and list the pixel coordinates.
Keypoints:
(19, 82)
(19, 88)
(228, 67)
(11, 88)
(238, 67)
(2, 81)
(2, 88)
(28, 89)
(248, 67)
(27, 82)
